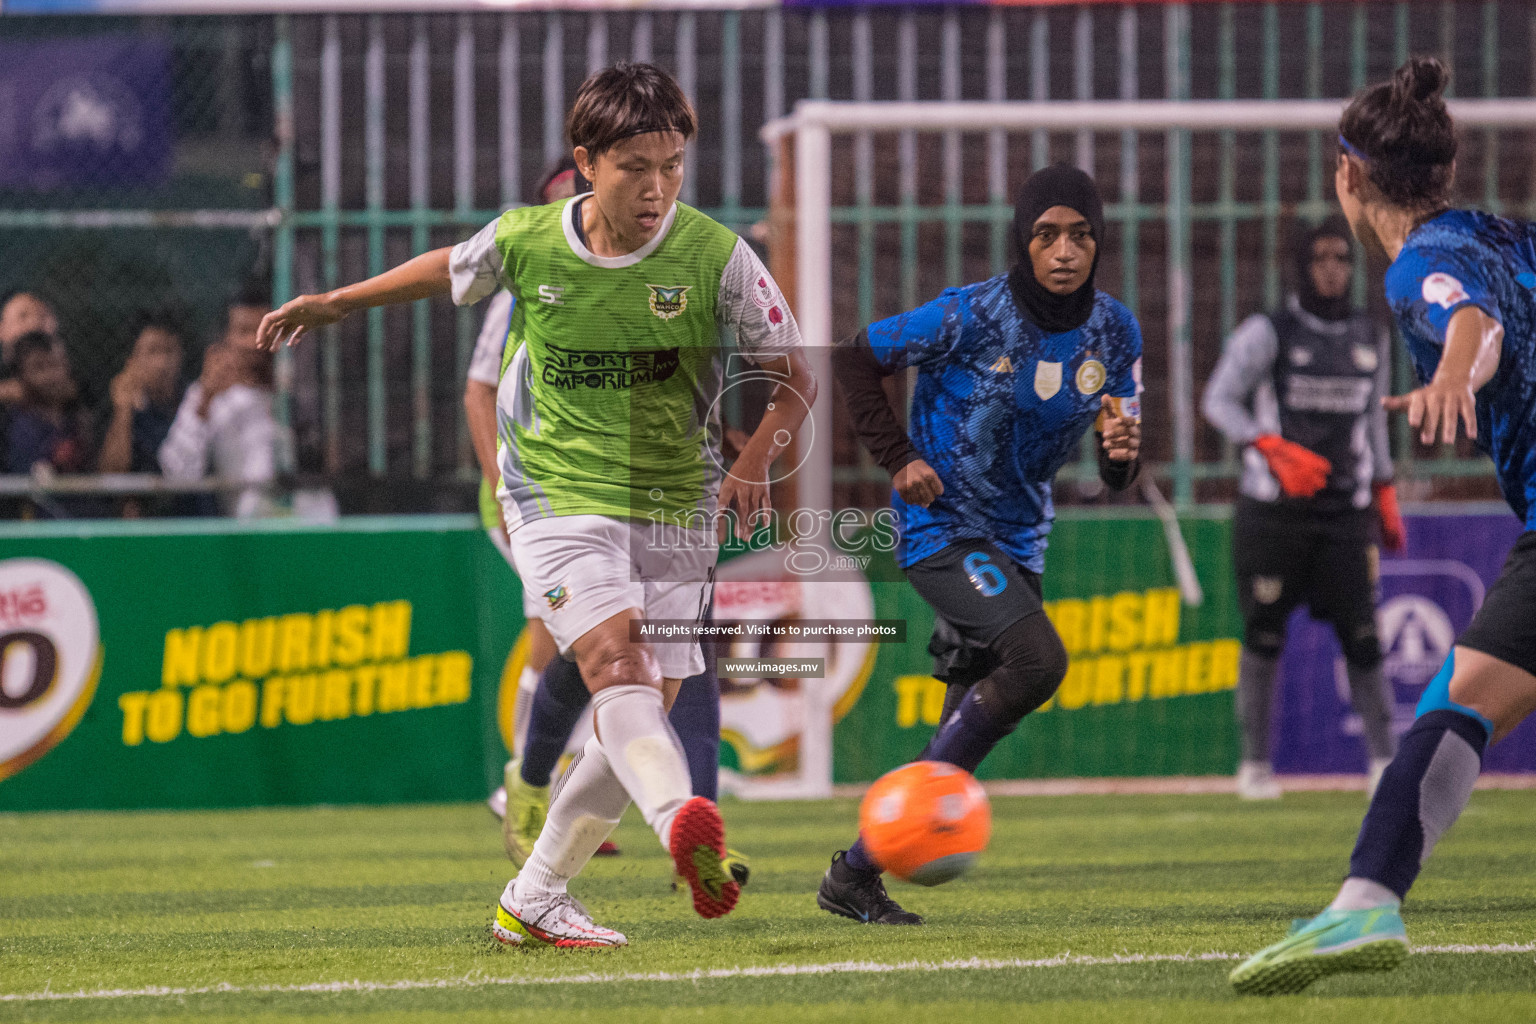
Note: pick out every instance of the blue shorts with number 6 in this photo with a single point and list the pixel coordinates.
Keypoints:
(977, 592)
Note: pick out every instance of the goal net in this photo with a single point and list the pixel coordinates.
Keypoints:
(876, 207)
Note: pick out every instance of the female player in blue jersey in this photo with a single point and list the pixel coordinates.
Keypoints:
(1462, 286)
(1010, 373)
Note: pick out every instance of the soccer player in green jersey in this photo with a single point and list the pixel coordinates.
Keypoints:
(609, 454)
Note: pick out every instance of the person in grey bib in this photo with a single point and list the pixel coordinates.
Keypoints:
(1300, 389)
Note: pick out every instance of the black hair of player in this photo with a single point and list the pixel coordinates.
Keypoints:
(1403, 132)
(626, 100)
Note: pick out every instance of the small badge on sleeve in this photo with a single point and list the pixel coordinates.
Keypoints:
(1443, 290)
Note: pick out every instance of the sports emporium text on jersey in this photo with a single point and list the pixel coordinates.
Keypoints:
(571, 368)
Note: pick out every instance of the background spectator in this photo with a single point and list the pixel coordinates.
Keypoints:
(142, 401)
(224, 427)
(45, 426)
(46, 430)
(21, 313)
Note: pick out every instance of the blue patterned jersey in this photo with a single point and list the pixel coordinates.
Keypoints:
(1000, 406)
(1467, 258)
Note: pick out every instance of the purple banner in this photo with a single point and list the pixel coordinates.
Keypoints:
(92, 110)
(1428, 595)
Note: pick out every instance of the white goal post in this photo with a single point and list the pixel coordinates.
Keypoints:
(810, 129)
(814, 122)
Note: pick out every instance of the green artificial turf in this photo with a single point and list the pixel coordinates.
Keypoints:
(283, 898)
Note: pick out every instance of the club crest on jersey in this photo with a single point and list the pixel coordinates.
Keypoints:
(557, 597)
(1047, 380)
(1364, 357)
(1090, 377)
(668, 301)
(1443, 290)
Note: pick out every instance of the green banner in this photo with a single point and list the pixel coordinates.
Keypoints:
(211, 665)
(1149, 688)
(244, 667)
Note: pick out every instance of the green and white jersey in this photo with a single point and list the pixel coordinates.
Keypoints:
(608, 398)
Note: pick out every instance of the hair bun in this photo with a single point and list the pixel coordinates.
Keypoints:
(1419, 81)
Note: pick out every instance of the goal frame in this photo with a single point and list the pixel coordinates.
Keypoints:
(800, 246)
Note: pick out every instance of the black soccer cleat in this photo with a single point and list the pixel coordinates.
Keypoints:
(860, 895)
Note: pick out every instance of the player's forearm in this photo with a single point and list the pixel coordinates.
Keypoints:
(419, 278)
(874, 420)
(480, 411)
(784, 417)
(1473, 345)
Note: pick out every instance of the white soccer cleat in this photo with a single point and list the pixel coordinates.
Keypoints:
(551, 918)
(1373, 775)
(1256, 781)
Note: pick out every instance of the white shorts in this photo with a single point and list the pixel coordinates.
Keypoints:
(530, 606)
(585, 569)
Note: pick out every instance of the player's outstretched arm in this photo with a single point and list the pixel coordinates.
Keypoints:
(745, 489)
(420, 278)
(1473, 343)
(876, 423)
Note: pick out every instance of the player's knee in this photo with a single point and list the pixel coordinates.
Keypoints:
(619, 664)
(1362, 646)
(1032, 662)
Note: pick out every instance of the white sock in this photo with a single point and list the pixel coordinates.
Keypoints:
(1364, 894)
(586, 804)
(645, 753)
(522, 709)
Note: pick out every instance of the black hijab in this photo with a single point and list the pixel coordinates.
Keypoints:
(1059, 185)
(1306, 292)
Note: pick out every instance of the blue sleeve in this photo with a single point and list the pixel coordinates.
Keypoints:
(1125, 375)
(1125, 370)
(1427, 286)
(929, 332)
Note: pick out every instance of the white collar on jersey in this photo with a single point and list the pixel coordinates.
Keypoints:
(629, 259)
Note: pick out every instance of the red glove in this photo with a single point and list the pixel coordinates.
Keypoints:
(1394, 535)
(1301, 472)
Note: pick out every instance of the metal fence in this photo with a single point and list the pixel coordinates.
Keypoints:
(368, 138)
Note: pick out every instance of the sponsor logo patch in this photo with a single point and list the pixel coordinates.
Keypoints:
(1003, 365)
(1266, 589)
(668, 301)
(1443, 290)
(762, 293)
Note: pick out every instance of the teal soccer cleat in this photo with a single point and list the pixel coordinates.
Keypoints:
(1333, 942)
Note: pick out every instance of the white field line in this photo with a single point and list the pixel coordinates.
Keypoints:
(1186, 785)
(712, 974)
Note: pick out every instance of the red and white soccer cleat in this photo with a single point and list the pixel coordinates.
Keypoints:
(698, 847)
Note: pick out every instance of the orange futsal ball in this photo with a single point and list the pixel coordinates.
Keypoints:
(926, 822)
